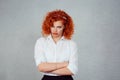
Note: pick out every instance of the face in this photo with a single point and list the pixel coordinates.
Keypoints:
(57, 29)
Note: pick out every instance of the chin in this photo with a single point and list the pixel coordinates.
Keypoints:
(55, 36)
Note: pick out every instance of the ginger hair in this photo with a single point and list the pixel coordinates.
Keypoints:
(58, 15)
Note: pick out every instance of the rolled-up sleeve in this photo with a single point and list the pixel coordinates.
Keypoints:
(39, 55)
(73, 61)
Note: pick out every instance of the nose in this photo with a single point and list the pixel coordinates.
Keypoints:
(55, 29)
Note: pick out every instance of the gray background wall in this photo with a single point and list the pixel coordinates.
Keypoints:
(97, 25)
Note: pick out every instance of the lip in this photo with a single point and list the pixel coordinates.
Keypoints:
(55, 33)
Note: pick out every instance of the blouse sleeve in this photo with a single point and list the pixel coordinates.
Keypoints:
(73, 61)
(39, 55)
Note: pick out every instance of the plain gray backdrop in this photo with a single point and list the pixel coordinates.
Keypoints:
(97, 33)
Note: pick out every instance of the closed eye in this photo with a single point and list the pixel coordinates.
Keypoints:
(56, 26)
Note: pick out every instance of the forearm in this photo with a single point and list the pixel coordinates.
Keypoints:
(62, 71)
(48, 67)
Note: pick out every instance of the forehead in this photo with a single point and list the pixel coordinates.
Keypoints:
(58, 23)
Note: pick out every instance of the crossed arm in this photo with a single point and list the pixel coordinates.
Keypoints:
(59, 68)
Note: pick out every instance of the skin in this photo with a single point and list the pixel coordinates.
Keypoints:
(57, 30)
(56, 68)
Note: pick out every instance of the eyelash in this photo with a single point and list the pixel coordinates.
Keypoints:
(57, 27)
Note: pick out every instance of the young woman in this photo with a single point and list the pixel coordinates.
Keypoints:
(55, 52)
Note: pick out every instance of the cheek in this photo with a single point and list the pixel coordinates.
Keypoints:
(51, 29)
(60, 31)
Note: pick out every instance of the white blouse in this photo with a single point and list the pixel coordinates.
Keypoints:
(46, 50)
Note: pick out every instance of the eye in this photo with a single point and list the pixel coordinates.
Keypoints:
(59, 26)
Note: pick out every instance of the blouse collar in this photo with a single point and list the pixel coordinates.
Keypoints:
(50, 37)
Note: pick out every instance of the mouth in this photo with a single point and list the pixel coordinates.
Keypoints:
(55, 33)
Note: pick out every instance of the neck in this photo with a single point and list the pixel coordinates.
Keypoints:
(56, 39)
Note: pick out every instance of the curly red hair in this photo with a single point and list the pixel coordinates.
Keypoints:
(58, 15)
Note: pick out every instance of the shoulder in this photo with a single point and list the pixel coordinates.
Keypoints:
(72, 42)
(41, 40)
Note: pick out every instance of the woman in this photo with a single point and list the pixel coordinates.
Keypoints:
(55, 52)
